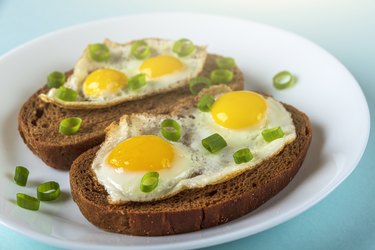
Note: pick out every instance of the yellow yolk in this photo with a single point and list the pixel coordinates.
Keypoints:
(142, 153)
(162, 65)
(103, 81)
(239, 110)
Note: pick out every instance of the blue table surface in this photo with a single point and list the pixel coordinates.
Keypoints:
(343, 220)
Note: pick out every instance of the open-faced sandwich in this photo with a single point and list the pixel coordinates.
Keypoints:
(217, 157)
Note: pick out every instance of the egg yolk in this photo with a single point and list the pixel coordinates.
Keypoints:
(103, 81)
(142, 153)
(161, 65)
(239, 110)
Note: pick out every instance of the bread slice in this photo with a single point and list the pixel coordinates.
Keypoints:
(38, 121)
(194, 209)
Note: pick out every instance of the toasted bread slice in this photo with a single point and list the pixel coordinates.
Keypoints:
(204, 207)
(38, 121)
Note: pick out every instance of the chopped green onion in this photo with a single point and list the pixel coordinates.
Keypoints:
(221, 76)
(171, 130)
(48, 191)
(99, 52)
(214, 143)
(205, 103)
(140, 50)
(21, 175)
(27, 202)
(283, 80)
(183, 47)
(272, 134)
(243, 155)
(70, 126)
(225, 63)
(55, 79)
(66, 94)
(149, 182)
(137, 82)
(198, 83)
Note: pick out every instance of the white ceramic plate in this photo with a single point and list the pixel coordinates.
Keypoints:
(326, 91)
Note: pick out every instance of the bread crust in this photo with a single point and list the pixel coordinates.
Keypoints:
(204, 207)
(38, 121)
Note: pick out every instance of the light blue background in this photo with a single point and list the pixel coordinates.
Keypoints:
(346, 218)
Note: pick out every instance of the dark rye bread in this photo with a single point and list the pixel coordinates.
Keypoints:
(38, 121)
(195, 209)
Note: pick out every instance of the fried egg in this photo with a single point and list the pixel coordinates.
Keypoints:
(136, 147)
(107, 81)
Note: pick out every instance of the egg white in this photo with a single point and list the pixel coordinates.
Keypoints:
(121, 60)
(276, 116)
(121, 183)
(195, 167)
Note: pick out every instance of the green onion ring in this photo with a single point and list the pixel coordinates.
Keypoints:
(149, 182)
(225, 63)
(183, 47)
(48, 191)
(99, 52)
(140, 50)
(137, 82)
(214, 143)
(221, 76)
(242, 156)
(55, 79)
(21, 175)
(70, 126)
(27, 202)
(66, 94)
(205, 103)
(171, 130)
(272, 134)
(283, 80)
(198, 83)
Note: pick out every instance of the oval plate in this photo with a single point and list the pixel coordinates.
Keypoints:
(326, 91)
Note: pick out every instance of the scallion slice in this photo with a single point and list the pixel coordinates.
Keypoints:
(183, 47)
(205, 103)
(272, 134)
(48, 191)
(242, 156)
(221, 76)
(225, 63)
(137, 82)
(21, 175)
(149, 182)
(27, 202)
(55, 79)
(214, 143)
(198, 83)
(171, 130)
(99, 52)
(283, 80)
(70, 126)
(66, 94)
(140, 50)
